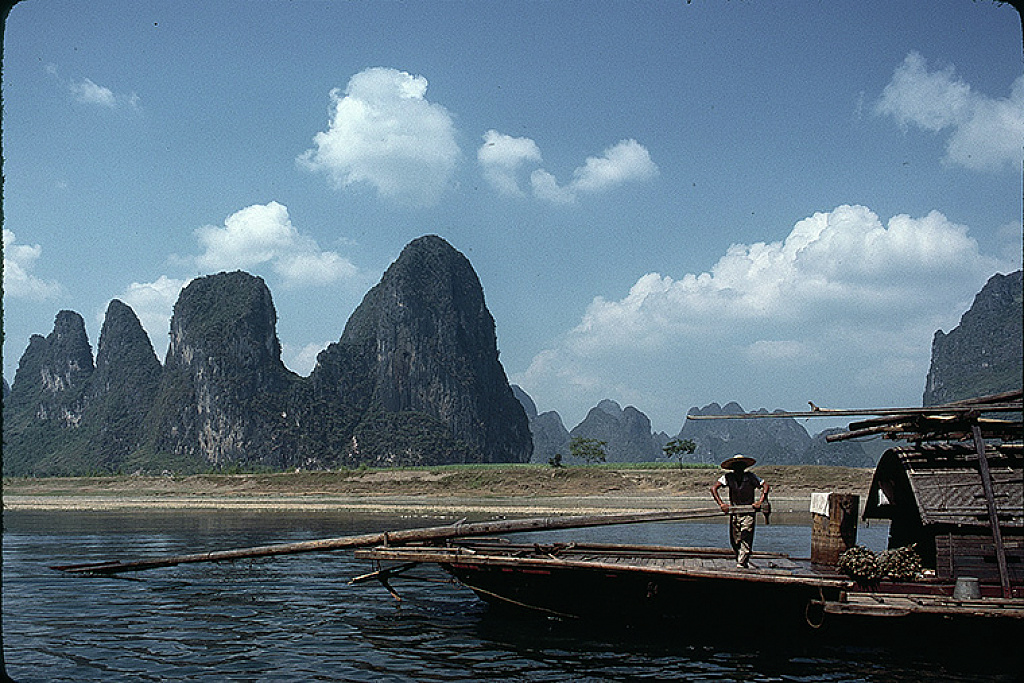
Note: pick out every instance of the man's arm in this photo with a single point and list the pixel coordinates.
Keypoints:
(764, 494)
(718, 498)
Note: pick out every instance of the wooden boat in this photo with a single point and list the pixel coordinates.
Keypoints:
(631, 582)
(637, 583)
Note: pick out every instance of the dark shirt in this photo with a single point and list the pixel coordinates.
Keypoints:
(741, 486)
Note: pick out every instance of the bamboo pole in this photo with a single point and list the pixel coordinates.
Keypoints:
(398, 537)
(993, 512)
(963, 408)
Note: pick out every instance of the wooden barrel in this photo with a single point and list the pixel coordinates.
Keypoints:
(835, 532)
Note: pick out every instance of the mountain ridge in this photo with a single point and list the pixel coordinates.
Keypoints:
(414, 379)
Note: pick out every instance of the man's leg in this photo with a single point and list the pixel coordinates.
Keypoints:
(745, 538)
(735, 531)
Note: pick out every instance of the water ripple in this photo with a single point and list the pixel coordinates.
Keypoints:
(297, 619)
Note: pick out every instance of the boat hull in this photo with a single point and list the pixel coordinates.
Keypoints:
(701, 592)
(632, 596)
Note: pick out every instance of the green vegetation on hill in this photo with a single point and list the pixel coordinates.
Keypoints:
(414, 379)
(984, 354)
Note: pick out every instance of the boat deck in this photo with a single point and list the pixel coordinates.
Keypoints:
(668, 560)
(571, 579)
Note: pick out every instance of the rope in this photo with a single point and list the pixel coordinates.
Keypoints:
(814, 603)
(518, 603)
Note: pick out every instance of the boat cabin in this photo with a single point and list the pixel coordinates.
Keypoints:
(934, 496)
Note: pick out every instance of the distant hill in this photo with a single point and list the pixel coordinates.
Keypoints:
(984, 354)
(414, 379)
(550, 437)
(626, 432)
(779, 441)
(629, 438)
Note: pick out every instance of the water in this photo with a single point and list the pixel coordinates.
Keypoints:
(296, 618)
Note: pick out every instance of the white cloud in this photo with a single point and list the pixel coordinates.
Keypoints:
(625, 162)
(384, 132)
(545, 186)
(153, 303)
(19, 260)
(263, 233)
(302, 359)
(986, 133)
(501, 156)
(844, 308)
(779, 350)
(87, 92)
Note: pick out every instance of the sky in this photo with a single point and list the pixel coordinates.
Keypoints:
(668, 204)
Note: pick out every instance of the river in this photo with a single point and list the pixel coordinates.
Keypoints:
(296, 618)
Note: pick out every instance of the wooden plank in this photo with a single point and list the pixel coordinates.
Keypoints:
(975, 556)
(891, 605)
(720, 570)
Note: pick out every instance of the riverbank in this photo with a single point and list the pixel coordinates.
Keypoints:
(466, 490)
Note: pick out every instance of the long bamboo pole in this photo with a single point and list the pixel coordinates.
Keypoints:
(949, 409)
(399, 537)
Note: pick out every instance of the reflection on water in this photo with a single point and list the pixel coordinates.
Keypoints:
(296, 618)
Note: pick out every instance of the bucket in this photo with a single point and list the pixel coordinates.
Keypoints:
(966, 588)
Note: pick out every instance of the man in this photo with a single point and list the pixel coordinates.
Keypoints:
(741, 485)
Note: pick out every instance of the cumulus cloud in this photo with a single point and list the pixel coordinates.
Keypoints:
(153, 303)
(263, 233)
(545, 186)
(625, 162)
(384, 132)
(845, 305)
(19, 261)
(985, 133)
(501, 157)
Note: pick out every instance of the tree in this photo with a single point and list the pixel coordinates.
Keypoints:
(589, 450)
(677, 448)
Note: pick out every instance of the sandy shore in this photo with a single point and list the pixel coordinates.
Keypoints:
(466, 491)
(385, 504)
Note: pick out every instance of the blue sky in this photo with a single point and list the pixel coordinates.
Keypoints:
(668, 204)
